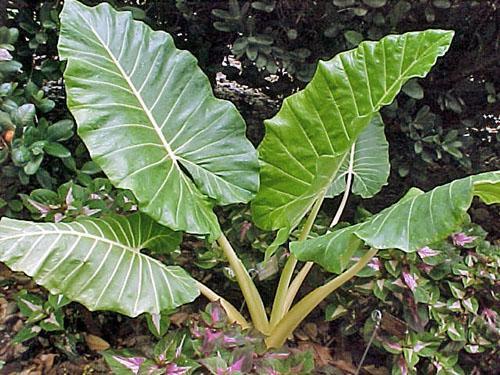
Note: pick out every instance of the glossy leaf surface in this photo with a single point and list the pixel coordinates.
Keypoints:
(98, 262)
(147, 114)
(327, 116)
(417, 220)
(370, 163)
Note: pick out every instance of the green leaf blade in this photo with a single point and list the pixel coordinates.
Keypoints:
(149, 118)
(327, 116)
(486, 187)
(417, 220)
(320, 250)
(370, 167)
(98, 262)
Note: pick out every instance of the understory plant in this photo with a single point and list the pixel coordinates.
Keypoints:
(211, 342)
(35, 136)
(41, 315)
(149, 119)
(438, 306)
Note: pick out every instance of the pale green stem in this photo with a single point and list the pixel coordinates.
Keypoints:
(347, 189)
(247, 286)
(292, 319)
(280, 296)
(286, 276)
(231, 311)
(296, 284)
(301, 276)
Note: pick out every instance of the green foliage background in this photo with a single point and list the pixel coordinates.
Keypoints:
(446, 126)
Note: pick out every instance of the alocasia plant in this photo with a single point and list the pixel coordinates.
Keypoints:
(150, 121)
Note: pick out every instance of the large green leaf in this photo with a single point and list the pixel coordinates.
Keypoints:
(98, 262)
(327, 116)
(367, 161)
(149, 119)
(417, 220)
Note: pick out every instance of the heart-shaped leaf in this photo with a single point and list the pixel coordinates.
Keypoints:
(327, 117)
(417, 220)
(149, 119)
(98, 262)
(368, 162)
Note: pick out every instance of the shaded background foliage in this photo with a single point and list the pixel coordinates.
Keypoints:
(256, 53)
(445, 126)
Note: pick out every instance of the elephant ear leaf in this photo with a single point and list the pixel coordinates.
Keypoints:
(327, 117)
(99, 263)
(148, 116)
(367, 161)
(487, 188)
(417, 220)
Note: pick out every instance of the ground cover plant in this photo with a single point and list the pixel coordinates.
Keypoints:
(151, 123)
(437, 305)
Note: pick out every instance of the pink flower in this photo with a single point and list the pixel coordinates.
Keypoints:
(461, 239)
(58, 217)
(402, 366)
(42, 208)
(409, 281)
(132, 363)
(278, 355)
(425, 267)
(196, 332)
(245, 227)
(211, 335)
(210, 340)
(394, 345)
(375, 264)
(490, 316)
(399, 283)
(236, 366)
(425, 252)
(69, 198)
(5, 55)
(215, 314)
(173, 369)
(229, 340)
(89, 211)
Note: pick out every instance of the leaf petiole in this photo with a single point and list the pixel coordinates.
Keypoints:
(292, 319)
(279, 306)
(247, 286)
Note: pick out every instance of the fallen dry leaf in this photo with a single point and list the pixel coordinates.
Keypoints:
(393, 325)
(301, 335)
(344, 366)
(41, 365)
(322, 355)
(8, 135)
(373, 370)
(343, 361)
(311, 330)
(179, 318)
(95, 343)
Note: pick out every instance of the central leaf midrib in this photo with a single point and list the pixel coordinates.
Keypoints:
(152, 120)
(77, 234)
(120, 245)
